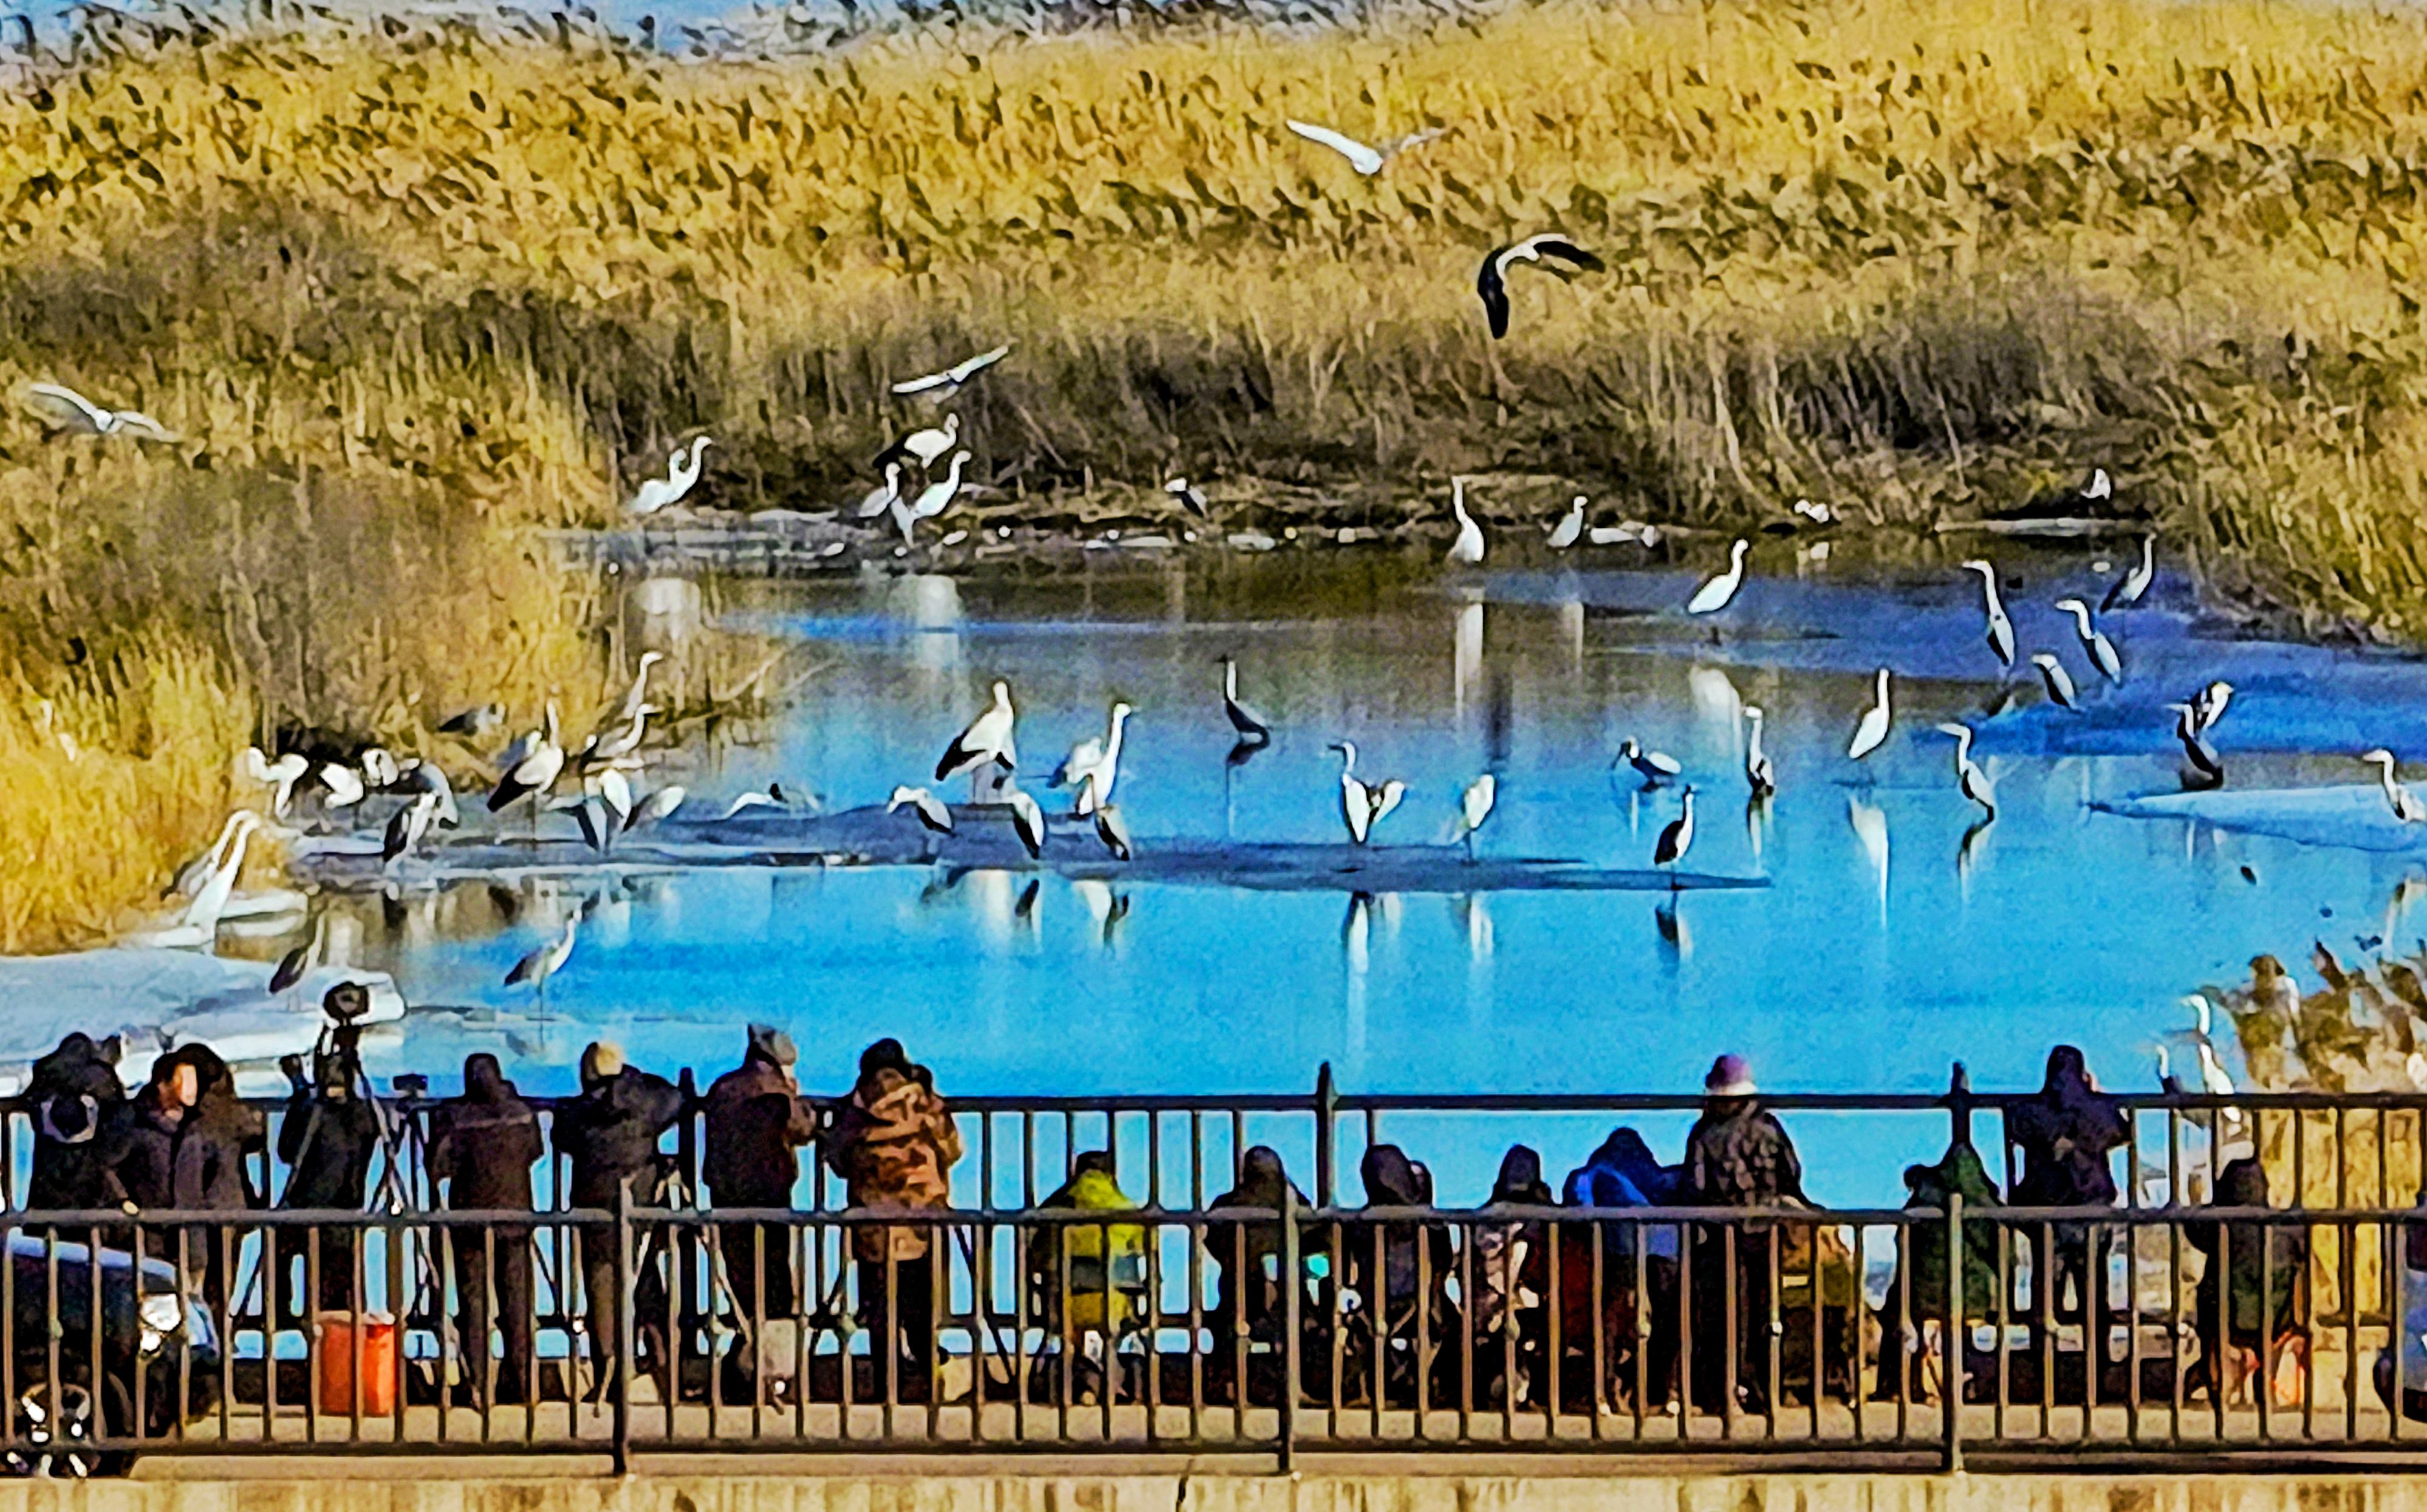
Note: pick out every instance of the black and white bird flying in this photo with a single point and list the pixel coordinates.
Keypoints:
(1491, 283)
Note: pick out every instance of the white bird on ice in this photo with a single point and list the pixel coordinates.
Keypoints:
(1713, 595)
(682, 472)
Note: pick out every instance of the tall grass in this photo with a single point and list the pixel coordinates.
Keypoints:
(408, 288)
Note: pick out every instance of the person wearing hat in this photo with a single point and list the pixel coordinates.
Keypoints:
(76, 1095)
(894, 1144)
(757, 1123)
(611, 1134)
(1737, 1157)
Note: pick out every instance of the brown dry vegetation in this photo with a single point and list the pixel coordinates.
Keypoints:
(407, 289)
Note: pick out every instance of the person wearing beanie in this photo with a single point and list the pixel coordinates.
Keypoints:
(894, 1144)
(611, 1133)
(757, 1123)
(482, 1145)
(76, 1096)
(1738, 1157)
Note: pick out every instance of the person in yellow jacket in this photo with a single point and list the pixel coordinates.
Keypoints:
(1089, 1279)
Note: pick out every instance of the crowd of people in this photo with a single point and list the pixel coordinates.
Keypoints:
(1415, 1302)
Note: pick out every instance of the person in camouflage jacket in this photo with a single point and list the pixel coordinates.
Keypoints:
(894, 1145)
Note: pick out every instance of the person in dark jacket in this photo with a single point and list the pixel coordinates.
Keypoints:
(1249, 1302)
(1400, 1271)
(482, 1145)
(1511, 1269)
(328, 1140)
(1638, 1309)
(611, 1134)
(181, 1145)
(2067, 1134)
(757, 1123)
(894, 1145)
(76, 1097)
(1737, 1156)
(2262, 1267)
(1904, 1349)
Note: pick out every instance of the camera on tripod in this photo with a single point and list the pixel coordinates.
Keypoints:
(336, 1059)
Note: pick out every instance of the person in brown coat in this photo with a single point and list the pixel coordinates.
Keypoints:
(482, 1145)
(894, 1145)
(757, 1123)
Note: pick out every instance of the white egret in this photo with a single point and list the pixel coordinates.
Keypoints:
(202, 917)
(937, 496)
(2130, 588)
(1653, 766)
(1188, 497)
(1094, 765)
(535, 771)
(1871, 731)
(616, 791)
(342, 785)
(378, 768)
(1028, 822)
(2197, 749)
(1249, 724)
(1491, 283)
(1367, 161)
(547, 961)
(2059, 681)
(773, 796)
(473, 722)
(1676, 838)
(1467, 550)
(1968, 774)
(1474, 807)
(614, 746)
(2093, 640)
(940, 386)
(989, 738)
(2001, 628)
(637, 694)
(1713, 595)
(924, 446)
(1571, 526)
(1760, 775)
(1114, 831)
(655, 806)
(885, 495)
(407, 826)
(2100, 488)
(70, 411)
(1362, 806)
(196, 874)
(279, 777)
(2404, 802)
(682, 473)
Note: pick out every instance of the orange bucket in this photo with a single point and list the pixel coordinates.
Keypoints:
(336, 1347)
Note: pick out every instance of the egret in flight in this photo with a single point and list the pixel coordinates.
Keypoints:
(943, 386)
(1367, 161)
(681, 474)
(70, 411)
(1715, 594)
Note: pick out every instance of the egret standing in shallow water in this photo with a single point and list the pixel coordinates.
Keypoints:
(2001, 628)
(885, 495)
(546, 962)
(1676, 838)
(682, 473)
(2059, 681)
(2134, 585)
(1715, 594)
(989, 738)
(1188, 497)
(1759, 774)
(2202, 757)
(1249, 724)
(1968, 774)
(1114, 831)
(1094, 765)
(1652, 766)
(534, 771)
(1474, 807)
(2209, 704)
(2100, 650)
(2404, 802)
(1467, 550)
(937, 496)
(1362, 807)
(934, 815)
(1871, 731)
(1028, 822)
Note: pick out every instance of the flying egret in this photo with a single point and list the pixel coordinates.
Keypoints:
(989, 738)
(196, 874)
(682, 473)
(1114, 831)
(1474, 807)
(1367, 161)
(1760, 775)
(923, 446)
(407, 826)
(279, 777)
(1713, 595)
(1676, 838)
(2059, 681)
(1653, 766)
(534, 773)
(2001, 628)
(2197, 749)
(655, 806)
(1094, 764)
(1188, 497)
(937, 496)
(1571, 526)
(1028, 822)
(2093, 642)
(940, 386)
(1251, 725)
(547, 961)
(884, 495)
(2405, 804)
(2207, 704)
(70, 411)
(2130, 588)
(1491, 283)
(1467, 550)
(1968, 774)
(1871, 731)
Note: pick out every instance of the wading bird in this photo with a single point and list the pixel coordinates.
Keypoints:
(2207, 704)
(682, 473)
(1491, 283)
(1759, 774)
(295, 964)
(547, 961)
(1571, 526)
(1028, 822)
(1114, 831)
(2100, 650)
(406, 827)
(1713, 595)
(1251, 725)
(931, 811)
(2100, 488)
(2059, 681)
(773, 797)
(1871, 731)
(1474, 807)
(1676, 838)
(2001, 628)
(279, 777)
(1653, 766)
(2403, 803)
(535, 772)
(923, 446)
(937, 496)
(655, 806)
(342, 786)
(1367, 161)
(989, 738)
(1362, 806)
(378, 768)
(1094, 764)
(2130, 588)
(1188, 497)
(1467, 550)
(884, 495)
(636, 696)
(420, 776)
(1968, 774)
(943, 386)
(2197, 749)
(70, 411)
(196, 874)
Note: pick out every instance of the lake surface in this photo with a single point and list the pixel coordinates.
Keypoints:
(1887, 947)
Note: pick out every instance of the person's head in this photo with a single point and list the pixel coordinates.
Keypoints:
(484, 1079)
(1729, 1082)
(1093, 1163)
(177, 1082)
(2243, 1183)
(347, 1002)
(1520, 1178)
(602, 1062)
(885, 1055)
(2066, 1071)
(772, 1046)
(1262, 1167)
(77, 1047)
(1389, 1178)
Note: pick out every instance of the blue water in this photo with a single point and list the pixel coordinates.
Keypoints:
(2058, 923)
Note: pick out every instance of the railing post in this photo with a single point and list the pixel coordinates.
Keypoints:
(1959, 1106)
(1292, 1286)
(627, 1319)
(1327, 1108)
(687, 1133)
(1956, 1335)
